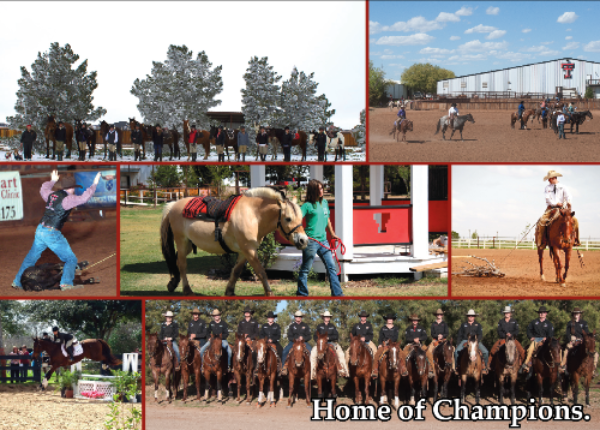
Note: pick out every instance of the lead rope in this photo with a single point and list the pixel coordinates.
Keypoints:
(98, 262)
(335, 245)
(520, 240)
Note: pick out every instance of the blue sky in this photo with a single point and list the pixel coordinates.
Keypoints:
(476, 37)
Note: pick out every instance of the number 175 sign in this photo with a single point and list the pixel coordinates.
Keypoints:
(11, 196)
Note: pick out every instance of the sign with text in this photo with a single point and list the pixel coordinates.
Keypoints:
(106, 190)
(11, 196)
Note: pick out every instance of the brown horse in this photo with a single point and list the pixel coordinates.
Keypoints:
(545, 365)
(298, 367)
(391, 368)
(93, 349)
(276, 136)
(173, 142)
(266, 365)
(506, 365)
(162, 362)
(514, 116)
(242, 365)
(257, 213)
(90, 138)
(214, 363)
(104, 127)
(146, 133)
(471, 365)
(327, 365)
(230, 140)
(417, 366)
(442, 360)
(402, 127)
(49, 134)
(580, 365)
(360, 366)
(191, 361)
(560, 237)
(204, 140)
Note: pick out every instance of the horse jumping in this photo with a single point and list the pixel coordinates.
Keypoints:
(162, 362)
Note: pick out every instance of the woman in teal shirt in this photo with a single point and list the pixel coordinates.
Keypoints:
(316, 212)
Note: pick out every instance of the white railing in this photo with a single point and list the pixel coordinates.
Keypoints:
(508, 243)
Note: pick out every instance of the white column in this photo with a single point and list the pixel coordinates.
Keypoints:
(257, 175)
(316, 172)
(419, 197)
(375, 184)
(130, 362)
(344, 218)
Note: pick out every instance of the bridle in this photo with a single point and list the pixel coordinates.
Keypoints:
(288, 234)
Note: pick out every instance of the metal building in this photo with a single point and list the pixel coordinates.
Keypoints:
(397, 90)
(568, 77)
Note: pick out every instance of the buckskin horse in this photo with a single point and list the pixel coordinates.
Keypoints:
(442, 360)
(418, 369)
(266, 365)
(545, 365)
(471, 366)
(327, 366)
(214, 362)
(392, 366)
(506, 365)
(93, 349)
(360, 366)
(298, 367)
(204, 141)
(276, 136)
(49, 134)
(162, 362)
(560, 236)
(578, 118)
(459, 124)
(191, 361)
(242, 365)
(580, 365)
(514, 116)
(402, 127)
(258, 212)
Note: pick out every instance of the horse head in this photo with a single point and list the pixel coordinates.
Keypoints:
(470, 118)
(239, 347)
(355, 349)
(321, 346)
(510, 349)
(447, 352)
(420, 359)
(552, 350)
(589, 340)
(473, 347)
(215, 348)
(394, 357)
(589, 113)
(261, 351)
(409, 126)
(38, 347)
(185, 346)
(154, 347)
(567, 226)
(298, 353)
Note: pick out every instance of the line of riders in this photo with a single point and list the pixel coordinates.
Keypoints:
(415, 336)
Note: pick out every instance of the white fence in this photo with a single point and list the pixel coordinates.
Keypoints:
(511, 243)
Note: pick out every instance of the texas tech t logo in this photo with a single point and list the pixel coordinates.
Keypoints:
(568, 68)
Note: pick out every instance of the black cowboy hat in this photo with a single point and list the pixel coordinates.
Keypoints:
(194, 126)
(270, 314)
(390, 317)
(158, 125)
(65, 183)
(243, 127)
(111, 126)
(453, 104)
(221, 127)
(542, 309)
(247, 309)
(363, 314)
(321, 128)
(60, 122)
(54, 329)
(44, 333)
(286, 128)
(522, 101)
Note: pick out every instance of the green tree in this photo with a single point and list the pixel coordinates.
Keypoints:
(10, 311)
(377, 83)
(424, 77)
(455, 235)
(167, 176)
(589, 93)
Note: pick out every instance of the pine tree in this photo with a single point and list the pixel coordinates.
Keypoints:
(360, 129)
(55, 86)
(301, 108)
(179, 88)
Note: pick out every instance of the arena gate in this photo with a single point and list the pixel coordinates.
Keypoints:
(33, 370)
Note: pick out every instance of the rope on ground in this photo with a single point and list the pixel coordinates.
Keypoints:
(335, 245)
(101, 261)
(488, 269)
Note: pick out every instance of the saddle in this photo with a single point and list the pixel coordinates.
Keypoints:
(47, 276)
(209, 208)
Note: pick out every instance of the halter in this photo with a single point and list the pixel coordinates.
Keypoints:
(279, 225)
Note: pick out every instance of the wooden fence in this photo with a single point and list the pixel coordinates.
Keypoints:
(511, 243)
(465, 105)
(5, 368)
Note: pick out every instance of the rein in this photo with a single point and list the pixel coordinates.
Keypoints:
(335, 245)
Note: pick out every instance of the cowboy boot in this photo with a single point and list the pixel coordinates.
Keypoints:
(244, 156)
(47, 152)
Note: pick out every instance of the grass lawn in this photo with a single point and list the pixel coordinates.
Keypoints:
(144, 271)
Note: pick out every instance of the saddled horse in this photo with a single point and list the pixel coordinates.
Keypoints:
(578, 118)
(298, 368)
(93, 349)
(258, 212)
(506, 365)
(204, 141)
(266, 365)
(49, 134)
(401, 127)
(545, 365)
(242, 365)
(173, 142)
(580, 365)
(442, 360)
(560, 236)
(360, 366)
(391, 369)
(417, 366)
(276, 136)
(471, 366)
(230, 140)
(146, 133)
(191, 362)
(336, 142)
(162, 362)
(214, 362)
(527, 114)
(327, 367)
(458, 124)
(391, 105)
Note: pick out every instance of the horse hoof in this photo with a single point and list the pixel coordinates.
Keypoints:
(543, 278)
(273, 405)
(563, 285)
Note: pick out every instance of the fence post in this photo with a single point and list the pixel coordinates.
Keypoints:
(125, 198)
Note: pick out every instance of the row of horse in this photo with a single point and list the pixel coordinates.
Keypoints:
(402, 126)
(575, 119)
(392, 368)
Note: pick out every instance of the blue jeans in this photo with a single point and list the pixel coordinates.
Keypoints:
(224, 344)
(53, 239)
(176, 349)
(482, 348)
(308, 256)
(288, 347)
(561, 131)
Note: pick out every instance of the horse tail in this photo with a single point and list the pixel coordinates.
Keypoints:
(168, 243)
(438, 127)
(110, 359)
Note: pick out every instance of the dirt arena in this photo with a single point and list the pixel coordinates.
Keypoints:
(91, 241)
(522, 275)
(23, 407)
(489, 139)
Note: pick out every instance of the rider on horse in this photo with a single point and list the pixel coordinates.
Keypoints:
(296, 331)
(574, 335)
(557, 196)
(169, 331)
(250, 329)
(538, 331)
(272, 332)
(388, 332)
(197, 330)
(439, 333)
(332, 339)
(466, 329)
(415, 336)
(401, 116)
(508, 328)
(521, 109)
(65, 339)
(219, 327)
(364, 329)
(452, 114)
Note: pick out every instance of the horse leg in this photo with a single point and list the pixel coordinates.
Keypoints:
(252, 257)
(558, 266)
(357, 398)
(412, 393)
(541, 260)
(207, 386)
(513, 383)
(220, 386)
(292, 391)
(333, 387)
(587, 390)
(540, 381)
(463, 387)
(235, 274)
(184, 247)
(461, 136)
(185, 378)
(435, 390)
(501, 388)
(156, 377)
(238, 381)
(452, 134)
(168, 384)
(567, 261)
(575, 385)
(367, 379)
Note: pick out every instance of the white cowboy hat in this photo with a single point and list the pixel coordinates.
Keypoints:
(326, 314)
(507, 310)
(168, 314)
(552, 174)
(215, 313)
(298, 314)
(472, 313)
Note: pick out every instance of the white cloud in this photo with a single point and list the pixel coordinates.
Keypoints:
(388, 51)
(592, 46)
(480, 29)
(374, 27)
(464, 11)
(477, 46)
(567, 18)
(495, 34)
(492, 10)
(398, 65)
(547, 43)
(540, 50)
(418, 23)
(513, 56)
(454, 37)
(447, 17)
(467, 57)
(526, 30)
(413, 39)
(568, 29)
(568, 37)
(571, 46)
(391, 57)
(436, 51)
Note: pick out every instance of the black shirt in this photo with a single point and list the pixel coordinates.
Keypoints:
(262, 139)
(386, 333)
(321, 142)
(28, 137)
(61, 134)
(441, 328)
(578, 329)
(171, 330)
(295, 330)
(511, 327)
(55, 215)
(271, 332)
(286, 140)
(363, 330)
(220, 138)
(467, 329)
(136, 137)
(218, 329)
(329, 329)
(411, 333)
(536, 328)
(251, 328)
(198, 328)
(63, 337)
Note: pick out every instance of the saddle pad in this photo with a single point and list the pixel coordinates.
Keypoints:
(77, 350)
(211, 207)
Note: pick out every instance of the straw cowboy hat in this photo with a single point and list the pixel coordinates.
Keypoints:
(507, 310)
(298, 314)
(439, 312)
(65, 183)
(196, 311)
(552, 174)
(472, 313)
(576, 311)
(215, 313)
(326, 314)
(168, 314)
(270, 314)
(542, 309)
(414, 317)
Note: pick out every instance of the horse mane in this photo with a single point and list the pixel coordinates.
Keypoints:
(265, 192)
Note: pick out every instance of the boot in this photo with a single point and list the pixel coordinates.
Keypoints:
(194, 156)
(68, 153)
(135, 156)
(47, 152)
(244, 156)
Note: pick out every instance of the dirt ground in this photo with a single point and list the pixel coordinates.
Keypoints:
(91, 241)
(522, 275)
(489, 139)
(26, 408)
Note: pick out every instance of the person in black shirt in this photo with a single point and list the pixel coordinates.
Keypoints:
(218, 326)
(262, 140)
(321, 144)
(138, 141)
(61, 137)
(466, 329)
(66, 339)
(508, 328)
(169, 332)
(364, 329)
(415, 336)
(220, 143)
(538, 331)
(286, 145)
(332, 338)
(440, 333)
(387, 333)
(574, 335)
(297, 330)
(248, 326)
(158, 138)
(27, 139)
(197, 330)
